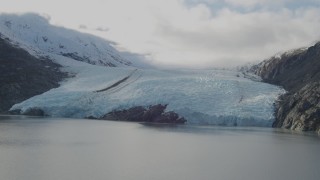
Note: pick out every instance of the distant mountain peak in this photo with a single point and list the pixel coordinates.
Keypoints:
(34, 33)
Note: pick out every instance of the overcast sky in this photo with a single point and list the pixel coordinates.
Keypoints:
(188, 33)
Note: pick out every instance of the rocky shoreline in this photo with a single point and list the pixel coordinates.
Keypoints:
(298, 72)
(300, 110)
(152, 114)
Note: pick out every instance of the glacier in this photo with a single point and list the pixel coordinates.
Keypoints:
(206, 97)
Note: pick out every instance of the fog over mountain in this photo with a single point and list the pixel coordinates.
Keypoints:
(188, 33)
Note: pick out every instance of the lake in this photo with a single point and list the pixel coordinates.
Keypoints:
(74, 149)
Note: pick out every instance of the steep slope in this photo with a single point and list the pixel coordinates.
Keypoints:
(23, 76)
(299, 73)
(32, 52)
(34, 33)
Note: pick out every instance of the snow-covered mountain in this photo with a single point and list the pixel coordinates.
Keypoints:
(35, 34)
(217, 97)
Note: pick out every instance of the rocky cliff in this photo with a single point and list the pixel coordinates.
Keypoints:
(298, 72)
(23, 75)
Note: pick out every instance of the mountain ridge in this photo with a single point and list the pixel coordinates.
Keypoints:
(35, 34)
(299, 73)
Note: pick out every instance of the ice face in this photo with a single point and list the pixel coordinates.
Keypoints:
(217, 97)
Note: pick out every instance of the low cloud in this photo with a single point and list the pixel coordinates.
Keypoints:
(81, 26)
(232, 38)
(103, 29)
(191, 33)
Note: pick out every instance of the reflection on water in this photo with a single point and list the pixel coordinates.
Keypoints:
(68, 149)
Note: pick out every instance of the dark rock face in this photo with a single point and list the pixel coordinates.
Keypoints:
(34, 112)
(301, 110)
(23, 75)
(299, 74)
(153, 114)
(90, 117)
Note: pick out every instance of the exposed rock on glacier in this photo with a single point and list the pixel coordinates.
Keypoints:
(152, 114)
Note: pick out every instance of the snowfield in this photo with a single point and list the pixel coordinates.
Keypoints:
(34, 33)
(215, 97)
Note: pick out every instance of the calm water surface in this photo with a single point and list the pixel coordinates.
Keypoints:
(68, 149)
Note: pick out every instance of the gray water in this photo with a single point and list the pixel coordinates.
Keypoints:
(68, 149)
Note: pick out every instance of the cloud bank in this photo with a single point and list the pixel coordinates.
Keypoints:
(188, 33)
